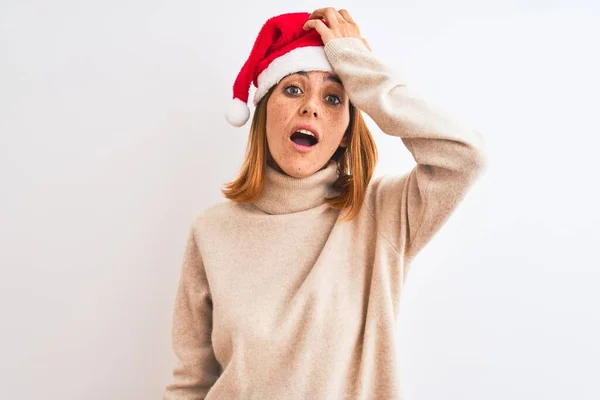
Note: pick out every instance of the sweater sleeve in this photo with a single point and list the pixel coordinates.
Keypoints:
(409, 208)
(196, 368)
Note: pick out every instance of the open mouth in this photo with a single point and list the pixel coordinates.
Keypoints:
(303, 137)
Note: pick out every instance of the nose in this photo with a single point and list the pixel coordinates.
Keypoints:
(310, 108)
(307, 111)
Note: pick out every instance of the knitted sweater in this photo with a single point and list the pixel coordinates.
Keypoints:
(279, 299)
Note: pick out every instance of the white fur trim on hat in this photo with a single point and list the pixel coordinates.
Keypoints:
(308, 58)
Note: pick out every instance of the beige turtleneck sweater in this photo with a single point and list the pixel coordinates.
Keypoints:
(280, 300)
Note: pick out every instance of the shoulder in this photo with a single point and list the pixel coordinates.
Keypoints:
(218, 215)
(213, 212)
(383, 189)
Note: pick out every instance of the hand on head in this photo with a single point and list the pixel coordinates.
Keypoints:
(331, 24)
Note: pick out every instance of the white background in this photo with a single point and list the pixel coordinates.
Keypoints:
(113, 138)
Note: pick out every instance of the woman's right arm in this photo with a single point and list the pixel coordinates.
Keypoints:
(196, 369)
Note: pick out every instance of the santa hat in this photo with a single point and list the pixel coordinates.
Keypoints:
(282, 47)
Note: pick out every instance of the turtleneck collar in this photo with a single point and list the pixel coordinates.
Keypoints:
(284, 194)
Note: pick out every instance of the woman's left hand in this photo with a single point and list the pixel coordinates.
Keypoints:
(339, 24)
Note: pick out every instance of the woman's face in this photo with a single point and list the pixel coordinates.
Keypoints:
(312, 101)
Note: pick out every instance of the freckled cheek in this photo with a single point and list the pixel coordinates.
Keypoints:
(337, 119)
(277, 121)
(279, 115)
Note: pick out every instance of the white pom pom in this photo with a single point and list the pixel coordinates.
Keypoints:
(237, 113)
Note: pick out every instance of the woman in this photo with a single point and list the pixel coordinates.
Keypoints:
(290, 289)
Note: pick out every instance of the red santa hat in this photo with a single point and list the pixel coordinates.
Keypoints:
(282, 47)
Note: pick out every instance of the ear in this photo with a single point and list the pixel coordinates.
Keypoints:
(344, 141)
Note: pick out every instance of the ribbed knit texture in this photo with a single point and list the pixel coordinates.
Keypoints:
(279, 299)
(281, 192)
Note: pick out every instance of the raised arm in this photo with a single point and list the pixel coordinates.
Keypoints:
(409, 207)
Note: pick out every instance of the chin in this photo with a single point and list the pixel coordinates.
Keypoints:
(299, 170)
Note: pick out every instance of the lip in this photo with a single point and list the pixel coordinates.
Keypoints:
(308, 128)
(300, 148)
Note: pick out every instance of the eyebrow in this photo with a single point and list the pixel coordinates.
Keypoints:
(329, 77)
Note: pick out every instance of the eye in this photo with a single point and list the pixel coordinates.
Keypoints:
(336, 100)
(289, 90)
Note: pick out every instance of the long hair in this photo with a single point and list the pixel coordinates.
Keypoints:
(356, 164)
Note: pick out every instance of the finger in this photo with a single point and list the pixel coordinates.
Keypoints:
(333, 16)
(346, 15)
(318, 13)
(330, 14)
(317, 24)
